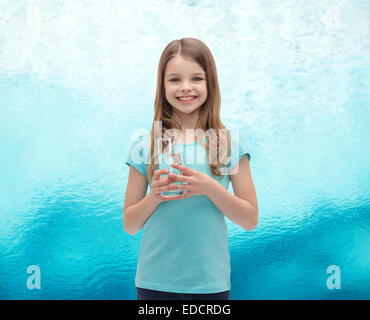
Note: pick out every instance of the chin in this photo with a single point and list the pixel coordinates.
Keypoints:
(187, 109)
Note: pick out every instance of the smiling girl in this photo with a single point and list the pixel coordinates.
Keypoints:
(184, 252)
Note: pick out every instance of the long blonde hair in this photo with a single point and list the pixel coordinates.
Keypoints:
(209, 112)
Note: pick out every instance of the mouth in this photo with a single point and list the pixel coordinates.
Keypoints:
(186, 99)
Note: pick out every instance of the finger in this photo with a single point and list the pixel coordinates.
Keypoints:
(179, 178)
(163, 188)
(185, 170)
(173, 186)
(159, 172)
(162, 182)
(183, 196)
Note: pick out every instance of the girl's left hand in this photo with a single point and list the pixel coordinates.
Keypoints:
(197, 183)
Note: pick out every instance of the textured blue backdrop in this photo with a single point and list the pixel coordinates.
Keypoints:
(77, 78)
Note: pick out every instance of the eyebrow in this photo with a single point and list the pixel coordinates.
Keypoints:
(176, 74)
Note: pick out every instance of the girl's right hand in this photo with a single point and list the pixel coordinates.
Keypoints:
(159, 184)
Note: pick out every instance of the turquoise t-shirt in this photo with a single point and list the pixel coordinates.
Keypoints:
(184, 246)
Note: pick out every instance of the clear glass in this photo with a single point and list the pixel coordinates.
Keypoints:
(165, 160)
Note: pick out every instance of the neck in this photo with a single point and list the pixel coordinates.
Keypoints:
(188, 121)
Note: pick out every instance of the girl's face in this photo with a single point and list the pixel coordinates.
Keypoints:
(183, 78)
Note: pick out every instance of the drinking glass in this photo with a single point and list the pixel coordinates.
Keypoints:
(165, 161)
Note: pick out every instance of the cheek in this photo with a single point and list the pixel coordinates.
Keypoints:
(170, 93)
(204, 97)
(204, 91)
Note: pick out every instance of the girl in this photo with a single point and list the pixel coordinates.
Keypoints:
(184, 252)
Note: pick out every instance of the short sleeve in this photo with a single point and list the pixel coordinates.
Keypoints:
(238, 149)
(138, 154)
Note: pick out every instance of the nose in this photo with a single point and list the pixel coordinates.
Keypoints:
(186, 86)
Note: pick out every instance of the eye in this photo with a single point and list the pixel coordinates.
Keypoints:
(193, 78)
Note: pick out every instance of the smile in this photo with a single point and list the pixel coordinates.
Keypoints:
(188, 99)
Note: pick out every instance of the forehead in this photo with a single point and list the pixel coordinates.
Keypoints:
(180, 65)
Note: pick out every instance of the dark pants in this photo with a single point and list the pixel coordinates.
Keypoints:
(147, 294)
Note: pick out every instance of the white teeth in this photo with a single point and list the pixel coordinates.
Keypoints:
(188, 98)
